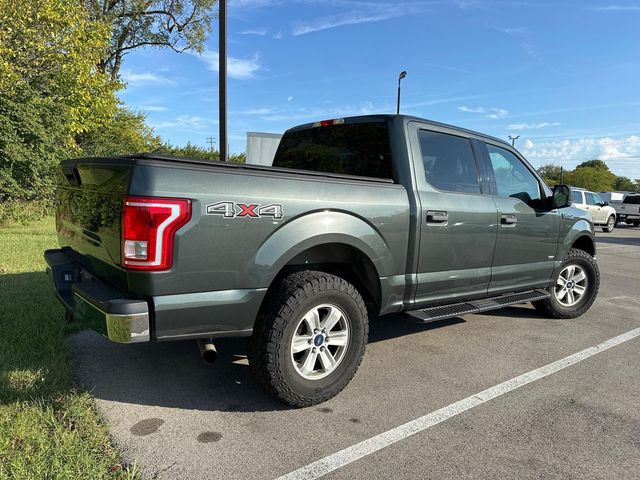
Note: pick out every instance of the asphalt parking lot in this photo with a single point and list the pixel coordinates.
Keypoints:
(179, 418)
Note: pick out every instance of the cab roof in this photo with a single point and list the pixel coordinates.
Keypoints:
(403, 118)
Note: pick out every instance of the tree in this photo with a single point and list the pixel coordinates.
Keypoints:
(126, 133)
(552, 174)
(32, 143)
(594, 164)
(624, 184)
(53, 47)
(176, 24)
(591, 178)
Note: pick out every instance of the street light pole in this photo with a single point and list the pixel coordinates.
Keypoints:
(513, 140)
(402, 75)
(222, 77)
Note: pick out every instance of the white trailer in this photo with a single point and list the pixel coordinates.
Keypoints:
(262, 147)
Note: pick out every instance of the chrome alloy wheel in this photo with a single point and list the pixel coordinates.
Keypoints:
(320, 342)
(571, 286)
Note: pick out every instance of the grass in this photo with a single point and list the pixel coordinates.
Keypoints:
(48, 428)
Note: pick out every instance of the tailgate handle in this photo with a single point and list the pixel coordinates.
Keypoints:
(72, 175)
(437, 217)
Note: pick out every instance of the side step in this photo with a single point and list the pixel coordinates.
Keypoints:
(442, 312)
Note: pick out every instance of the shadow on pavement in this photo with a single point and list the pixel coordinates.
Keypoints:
(613, 239)
(172, 374)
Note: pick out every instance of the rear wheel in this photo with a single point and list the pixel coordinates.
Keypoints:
(309, 339)
(611, 224)
(575, 289)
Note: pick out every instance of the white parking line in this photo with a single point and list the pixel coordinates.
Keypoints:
(344, 457)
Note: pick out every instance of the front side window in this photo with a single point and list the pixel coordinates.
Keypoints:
(590, 198)
(513, 178)
(449, 162)
(598, 199)
(576, 196)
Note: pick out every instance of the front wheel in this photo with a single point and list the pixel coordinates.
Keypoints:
(309, 338)
(611, 224)
(575, 289)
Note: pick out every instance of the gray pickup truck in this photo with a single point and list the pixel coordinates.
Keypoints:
(358, 217)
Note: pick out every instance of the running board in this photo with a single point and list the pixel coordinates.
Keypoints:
(442, 312)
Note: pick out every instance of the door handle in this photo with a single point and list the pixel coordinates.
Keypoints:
(437, 217)
(509, 220)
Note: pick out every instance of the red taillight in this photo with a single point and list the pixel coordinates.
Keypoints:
(148, 227)
(328, 123)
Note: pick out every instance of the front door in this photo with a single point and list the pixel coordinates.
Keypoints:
(458, 222)
(527, 237)
(594, 205)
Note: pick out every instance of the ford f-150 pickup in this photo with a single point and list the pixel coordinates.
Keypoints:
(357, 217)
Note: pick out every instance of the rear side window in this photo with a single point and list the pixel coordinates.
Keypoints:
(633, 199)
(576, 197)
(361, 149)
(449, 163)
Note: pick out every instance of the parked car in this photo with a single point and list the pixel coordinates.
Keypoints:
(358, 217)
(627, 206)
(602, 213)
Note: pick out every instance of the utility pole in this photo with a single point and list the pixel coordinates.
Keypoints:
(212, 142)
(513, 140)
(222, 78)
(402, 75)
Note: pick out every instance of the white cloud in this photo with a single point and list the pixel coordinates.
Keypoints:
(258, 31)
(532, 126)
(617, 8)
(280, 34)
(365, 12)
(302, 114)
(186, 121)
(239, 68)
(238, 4)
(151, 108)
(621, 154)
(523, 37)
(141, 78)
(289, 98)
(492, 112)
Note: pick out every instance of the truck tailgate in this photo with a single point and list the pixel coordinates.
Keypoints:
(88, 213)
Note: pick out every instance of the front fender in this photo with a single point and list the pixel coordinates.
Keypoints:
(581, 228)
(315, 229)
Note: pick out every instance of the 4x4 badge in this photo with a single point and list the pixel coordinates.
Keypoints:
(246, 210)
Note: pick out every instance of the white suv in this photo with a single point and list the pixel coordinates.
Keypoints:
(600, 211)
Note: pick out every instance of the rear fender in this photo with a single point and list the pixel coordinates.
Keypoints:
(314, 229)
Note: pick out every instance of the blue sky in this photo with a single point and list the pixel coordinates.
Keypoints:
(564, 75)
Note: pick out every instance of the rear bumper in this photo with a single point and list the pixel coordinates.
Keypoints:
(120, 317)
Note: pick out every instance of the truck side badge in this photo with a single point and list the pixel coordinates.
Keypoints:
(243, 210)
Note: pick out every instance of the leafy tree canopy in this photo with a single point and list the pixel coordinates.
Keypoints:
(53, 46)
(177, 24)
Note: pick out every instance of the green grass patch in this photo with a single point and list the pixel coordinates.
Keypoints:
(48, 428)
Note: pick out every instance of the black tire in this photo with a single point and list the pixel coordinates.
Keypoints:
(269, 350)
(636, 224)
(611, 224)
(554, 309)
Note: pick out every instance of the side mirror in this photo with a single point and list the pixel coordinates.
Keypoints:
(561, 196)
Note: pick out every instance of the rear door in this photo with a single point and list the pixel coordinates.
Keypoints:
(527, 236)
(457, 225)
